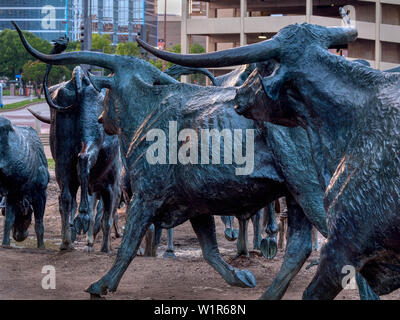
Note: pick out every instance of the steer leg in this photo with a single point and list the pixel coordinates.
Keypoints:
(91, 214)
(256, 220)
(117, 229)
(315, 242)
(269, 245)
(327, 282)
(67, 206)
(231, 234)
(150, 241)
(110, 202)
(9, 222)
(39, 204)
(204, 227)
(170, 252)
(138, 220)
(243, 241)
(98, 218)
(298, 250)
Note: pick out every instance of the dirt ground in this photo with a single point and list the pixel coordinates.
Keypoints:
(186, 277)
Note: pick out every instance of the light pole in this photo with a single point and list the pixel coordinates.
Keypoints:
(164, 65)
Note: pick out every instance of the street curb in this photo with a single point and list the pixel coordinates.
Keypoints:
(23, 107)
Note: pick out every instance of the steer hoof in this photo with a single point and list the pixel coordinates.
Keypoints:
(312, 263)
(169, 254)
(231, 234)
(257, 244)
(73, 234)
(244, 278)
(242, 253)
(67, 247)
(6, 243)
(88, 248)
(82, 223)
(269, 247)
(97, 290)
(101, 287)
(96, 297)
(140, 252)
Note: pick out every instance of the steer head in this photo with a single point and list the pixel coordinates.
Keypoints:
(66, 96)
(128, 72)
(293, 67)
(23, 218)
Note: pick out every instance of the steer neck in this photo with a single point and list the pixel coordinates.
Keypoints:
(341, 109)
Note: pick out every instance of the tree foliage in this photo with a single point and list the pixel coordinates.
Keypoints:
(194, 48)
(34, 71)
(74, 46)
(102, 43)
(13, 54)
(128, 49)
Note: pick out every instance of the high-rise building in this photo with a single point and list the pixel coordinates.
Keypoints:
(121, 19)
(50, 19)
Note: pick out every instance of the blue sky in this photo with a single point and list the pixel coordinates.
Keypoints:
(173, 6)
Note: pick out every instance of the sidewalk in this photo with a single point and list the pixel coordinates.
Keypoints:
(13, 99)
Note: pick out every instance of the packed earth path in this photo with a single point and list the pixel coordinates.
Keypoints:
(186, 277)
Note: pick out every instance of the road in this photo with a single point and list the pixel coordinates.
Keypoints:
(22, 117)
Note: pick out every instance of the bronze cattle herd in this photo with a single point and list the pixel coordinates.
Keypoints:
(301, 123)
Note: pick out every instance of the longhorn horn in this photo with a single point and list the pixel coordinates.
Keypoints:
(40, 117)
(260, 51)
(80, 57)
(49, 100)
(342, 35)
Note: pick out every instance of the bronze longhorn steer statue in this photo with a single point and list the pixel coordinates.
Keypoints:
(141, 101)
(351, 114)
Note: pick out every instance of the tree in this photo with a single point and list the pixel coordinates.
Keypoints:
(197, 48)
(13, 54)
(74, 46)
(34, 71)
(194, 48)
(102, 42)
(128, 49)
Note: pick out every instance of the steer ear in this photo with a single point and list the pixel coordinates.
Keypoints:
(101, 82)
(273, 83)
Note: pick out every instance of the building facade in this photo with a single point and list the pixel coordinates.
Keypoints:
(173, 31)
(124, 19)
(227, 24)
(50, 19)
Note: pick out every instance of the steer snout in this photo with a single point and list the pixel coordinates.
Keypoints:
(23, 218)
(20, 235)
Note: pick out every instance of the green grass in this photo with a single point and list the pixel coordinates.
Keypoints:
(6, 92)
(20, 104)
(51, 164)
